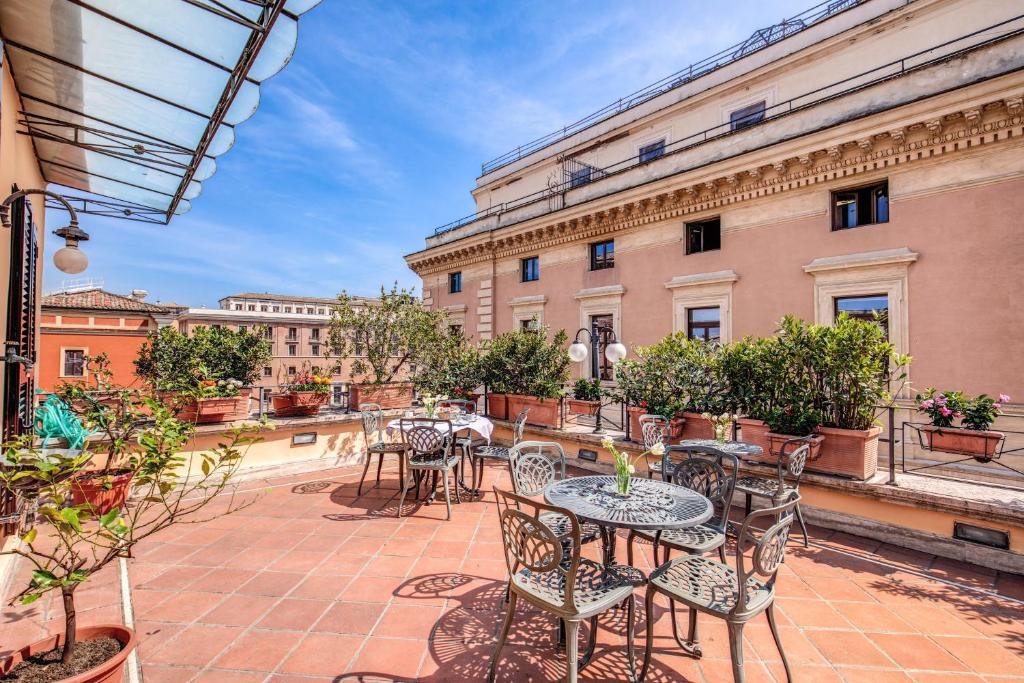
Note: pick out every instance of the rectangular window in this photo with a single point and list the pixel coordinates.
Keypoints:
(579, 176)
(455, 282)
(276, 309)
(293, 333)
(238, 307)
(704, 323)
(268, 372)
(291, 369)
(320, 311)
(704, 235)
(529, 325)
(455, 330)
(530, 269)
(860, 206)
(287, 309)
(600, 366)
(293, 350)
(315, 350)
(268, 332)
(870, 307)
(263, 309)
(243, 328)
(216, 326)
(747, 116)
(652, 151)
(602, 255)
(74, 363)
(309, 311)
(252, 307)
(314, 333)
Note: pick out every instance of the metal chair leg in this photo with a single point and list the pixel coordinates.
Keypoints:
(736, 651)
(778, 641)
(456, 476)
(649, 618)
(366, 468)
(629, 547)
(491, 670)
(447, 498)
(803, 527)
(380, 464)
(721, 553)
(630, 654)
(401, 498)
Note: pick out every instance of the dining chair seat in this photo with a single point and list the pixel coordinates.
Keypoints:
(596, 588)
(699, 539)
(387, 447)
(708, 585)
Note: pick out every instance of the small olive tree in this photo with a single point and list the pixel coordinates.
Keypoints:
(384, 336)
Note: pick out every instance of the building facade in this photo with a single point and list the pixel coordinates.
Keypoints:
(866, 157)
(86, 322)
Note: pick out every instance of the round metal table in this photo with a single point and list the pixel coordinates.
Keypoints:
(651, 505)
(740, 449)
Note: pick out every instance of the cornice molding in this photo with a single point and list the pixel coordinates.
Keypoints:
(528, 300)
(865, 259)
(921, 141)
(717, 277)
(594, 292)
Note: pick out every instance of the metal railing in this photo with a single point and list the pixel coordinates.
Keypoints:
(759, 40)
(898, 68)
(986, 465)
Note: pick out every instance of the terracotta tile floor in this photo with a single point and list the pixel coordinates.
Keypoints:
(313, 583)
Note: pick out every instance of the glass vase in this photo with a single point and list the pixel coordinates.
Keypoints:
(622, 483)
(720, 433)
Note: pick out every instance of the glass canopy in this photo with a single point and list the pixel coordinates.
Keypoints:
(134, 100)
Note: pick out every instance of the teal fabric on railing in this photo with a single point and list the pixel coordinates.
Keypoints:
(54, 420)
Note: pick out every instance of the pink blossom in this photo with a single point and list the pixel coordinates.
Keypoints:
(940, 399)
(997, 406)
(958, 414)
(1003, 398)
(946, 412)
(928, 403)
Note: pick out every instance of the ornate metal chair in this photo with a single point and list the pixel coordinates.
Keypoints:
(485, 452)
(546, 571)
(711, 473)
(734, 595)
(376, 443)
(535, 464)
(464, 441)
(429, 451)
(654, 429)
(776, 489)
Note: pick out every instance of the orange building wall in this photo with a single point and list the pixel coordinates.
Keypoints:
(120, 347)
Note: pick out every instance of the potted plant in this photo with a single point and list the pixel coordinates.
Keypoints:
(848, 371)
(204, 376)
(450, 367)
(303, 396)
(586, 397)
(755, 374)
(81, 542)
(793, 420)
(532, 370)
(976, 415)
(643, 387)
(385, 337)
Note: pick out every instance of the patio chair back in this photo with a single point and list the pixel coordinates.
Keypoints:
(534, 465)
(530, 544)
(519, 425)
(426, 436)
(717, 483)
(373, 421)
(793, 458)
(769, 546)
(654, 430)
(464, 405)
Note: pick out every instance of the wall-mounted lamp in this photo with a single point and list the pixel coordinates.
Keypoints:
(69, 258)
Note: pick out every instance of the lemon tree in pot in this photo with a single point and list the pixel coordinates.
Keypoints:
(72, 542)
(384, 338)
(304, 395)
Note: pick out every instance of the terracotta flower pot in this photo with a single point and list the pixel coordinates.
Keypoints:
(583, 407)
(981, 445)
(848, 452)
(776, 442)
(497, 406)
(211, 410)
(390, 395)
(103, 491)
(695, 427)
(299, 403)
(543, 411)
(109, 671)
(634, 413)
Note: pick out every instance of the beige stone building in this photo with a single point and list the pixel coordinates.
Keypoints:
(863, 157)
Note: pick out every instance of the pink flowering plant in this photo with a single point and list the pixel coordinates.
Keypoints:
(945, 408)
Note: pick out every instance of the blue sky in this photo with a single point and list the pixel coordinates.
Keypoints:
(376, 130)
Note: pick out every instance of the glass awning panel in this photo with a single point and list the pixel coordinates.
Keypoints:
(134, 100)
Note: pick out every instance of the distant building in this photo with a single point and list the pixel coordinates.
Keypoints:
(87, 322)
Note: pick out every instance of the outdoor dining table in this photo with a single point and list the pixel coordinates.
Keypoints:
(740, 449)
(470, 421)
(650, 505)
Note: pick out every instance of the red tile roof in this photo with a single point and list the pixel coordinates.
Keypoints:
(99, 300)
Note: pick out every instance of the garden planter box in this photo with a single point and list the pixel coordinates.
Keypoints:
(848, 452)
(543, 411)
(776, 442)
(393, 395)
(981, 445)
(755, 432)
(103, 491)
(694, 427)
(634, 413)
(584, 407)
(297, 403)
(109, 671)
(676, 426)
(210, 410)
(497, 406)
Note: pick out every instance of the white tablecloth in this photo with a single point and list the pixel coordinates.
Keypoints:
(479, 424)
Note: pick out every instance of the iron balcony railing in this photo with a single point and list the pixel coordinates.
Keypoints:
(922, 59)
(759, 40)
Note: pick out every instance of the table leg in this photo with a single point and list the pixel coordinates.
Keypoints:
(608, 538)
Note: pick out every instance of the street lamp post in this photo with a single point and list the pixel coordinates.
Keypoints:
(614, 351)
